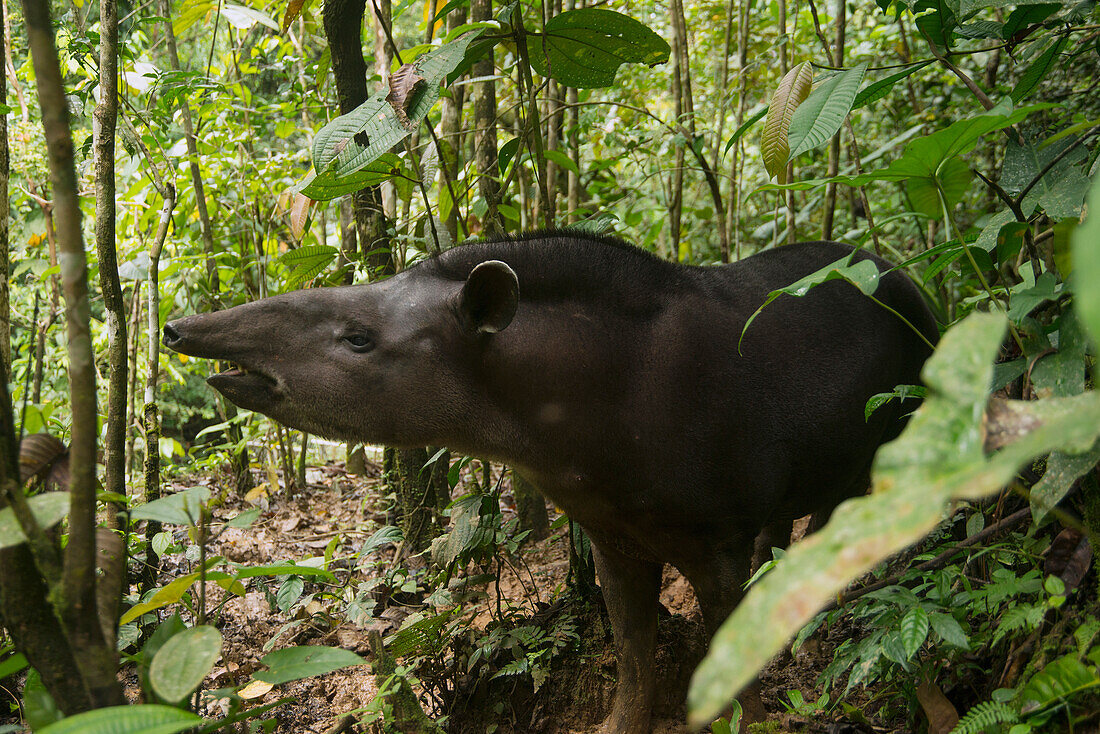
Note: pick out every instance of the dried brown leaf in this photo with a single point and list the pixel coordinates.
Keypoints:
(404, 84)
(293, 10)
(299, 214)
(940, 712)
(1069, 557)
(38, 453)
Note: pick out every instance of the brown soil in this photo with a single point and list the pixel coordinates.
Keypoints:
(575, 697)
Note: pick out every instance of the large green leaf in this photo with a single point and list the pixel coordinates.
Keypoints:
(821, 115)
(293, 663)
(1038, 70)
(924, 157)
(182, 663)
(775, 140)
(48, 509)
(863, 275)
(351, 142)
(938, 459)
(148, 718)
(1086, 267)
(1061, 190)
(585, 47)
(181, 508)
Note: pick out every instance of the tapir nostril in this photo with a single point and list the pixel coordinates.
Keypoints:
(171, 336)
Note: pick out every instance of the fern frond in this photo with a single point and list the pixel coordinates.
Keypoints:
(985, 715)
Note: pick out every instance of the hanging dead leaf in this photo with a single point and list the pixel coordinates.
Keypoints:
(404, 84)
(1069, 557)
(293, 10)
(39, 456)
(299, 214)
(941, 713)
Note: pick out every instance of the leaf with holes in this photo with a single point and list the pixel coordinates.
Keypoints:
(821, 115)
(774, 141)
(584, 48)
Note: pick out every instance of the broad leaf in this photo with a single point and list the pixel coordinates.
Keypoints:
(877, 90)
(147, 718)
(293, 663)
(351, 142)
(585, 47)
(1086, 267)
(938, 459)
(181, 508)
(821, 115)
(182, 663)
(1038, 70)
(863, 275)
(48, 509)
(774, 141)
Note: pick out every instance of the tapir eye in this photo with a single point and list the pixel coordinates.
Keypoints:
(359, 342)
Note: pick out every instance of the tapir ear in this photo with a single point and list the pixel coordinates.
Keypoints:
(490, 296)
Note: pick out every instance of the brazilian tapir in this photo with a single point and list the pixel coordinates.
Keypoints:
(618, 383)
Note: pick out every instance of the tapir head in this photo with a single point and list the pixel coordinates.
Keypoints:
(390, 362)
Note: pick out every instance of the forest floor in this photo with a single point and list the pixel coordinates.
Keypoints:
(576, 694)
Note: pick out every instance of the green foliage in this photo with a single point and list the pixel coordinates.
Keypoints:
(48, 509)
(183, 661)
(148, 718)
(295, 663)
(818, 118)
(585, 47)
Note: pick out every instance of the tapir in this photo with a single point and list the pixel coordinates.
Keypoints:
(618, 383)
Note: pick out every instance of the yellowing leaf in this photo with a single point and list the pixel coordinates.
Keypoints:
(255, 689)
(774, 143)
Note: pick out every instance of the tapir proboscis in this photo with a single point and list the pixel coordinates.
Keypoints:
(616, 382)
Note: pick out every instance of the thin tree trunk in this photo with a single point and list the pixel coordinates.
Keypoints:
(676, 199)
(5, 306)
(104, 122)
(837, 59)
(75, 599)
(784, 66)
(151, 412)
(733, 217)
(134, 335)
(451, 162)
(485, 132)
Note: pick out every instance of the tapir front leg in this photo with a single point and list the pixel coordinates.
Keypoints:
(631, 589)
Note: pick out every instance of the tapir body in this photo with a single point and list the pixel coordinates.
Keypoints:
(618, 383)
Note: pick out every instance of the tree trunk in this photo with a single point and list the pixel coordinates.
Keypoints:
(837, 57)
(5, 307)
(418, 493)
(485, 131)
(450, 162)
(530, 508)
(104, 123)
(75, 598)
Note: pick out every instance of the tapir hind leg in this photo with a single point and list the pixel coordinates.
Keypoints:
(631, 589)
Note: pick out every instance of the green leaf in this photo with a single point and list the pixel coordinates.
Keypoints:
(346, 146)
(562, 160)
(294, 663)
(584, 48)
(164, 596)
(48, 509)
(149, 718)
(181, 508)
(306, 262)
(1086, 267)
(951, 182)
(182, 663)
(1056, 682)
(821, 115)
(949, 630)
(938, 459)
(1038, 70)
(1062, 189)
(877, 90)
(774, 140)
(863, 275)
(753, 119)
(924, 156)
(281, 569)
(914, 630)
(12, 665)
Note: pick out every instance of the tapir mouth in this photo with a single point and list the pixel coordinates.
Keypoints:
(247, 387)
